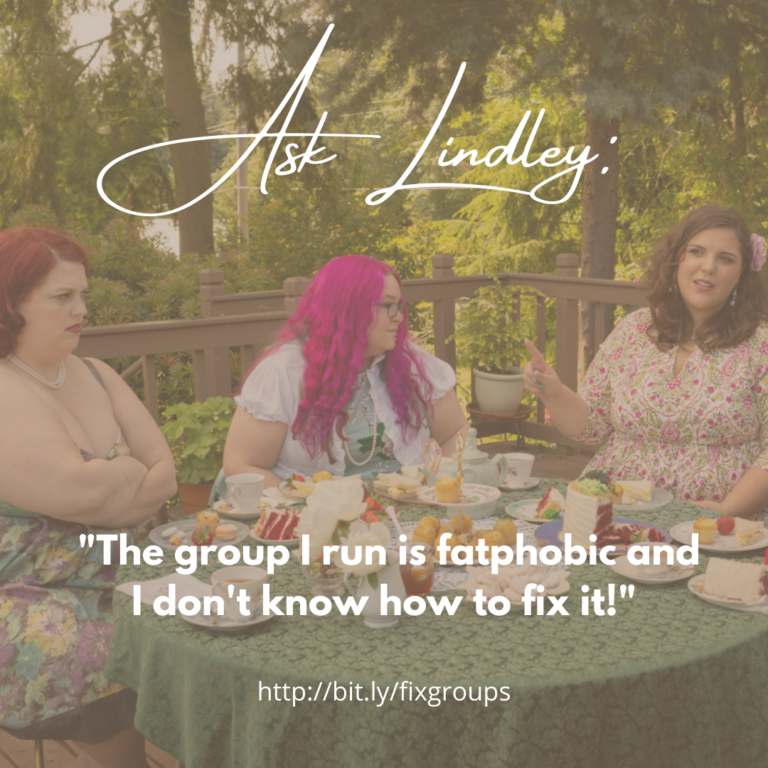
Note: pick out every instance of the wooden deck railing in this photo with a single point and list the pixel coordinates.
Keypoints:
(251, 320)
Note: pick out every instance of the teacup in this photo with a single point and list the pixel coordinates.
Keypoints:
(246, 489)
(520, 465)
(239, 577)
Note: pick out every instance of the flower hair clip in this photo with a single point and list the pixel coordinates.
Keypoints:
(758, 252)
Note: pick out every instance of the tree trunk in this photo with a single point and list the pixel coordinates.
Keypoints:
(736, 93)
(600, 207)
(192, 161)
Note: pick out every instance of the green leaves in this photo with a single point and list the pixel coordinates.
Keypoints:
(196, 433)
(488, 333)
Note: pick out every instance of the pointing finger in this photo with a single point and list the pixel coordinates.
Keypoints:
(536, 356)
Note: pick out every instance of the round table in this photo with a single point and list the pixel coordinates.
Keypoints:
(670, 680)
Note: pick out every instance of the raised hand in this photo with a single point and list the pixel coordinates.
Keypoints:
(539, 378)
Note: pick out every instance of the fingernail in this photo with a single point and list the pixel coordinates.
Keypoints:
(542, 387)
(533, 379)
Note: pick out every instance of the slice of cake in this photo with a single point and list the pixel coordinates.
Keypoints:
(748, 531)
(735, 580)
(278, 525)
(633, 491)
(588, 510)
(551, 506)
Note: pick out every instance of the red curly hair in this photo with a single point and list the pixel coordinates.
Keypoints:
(26, 257)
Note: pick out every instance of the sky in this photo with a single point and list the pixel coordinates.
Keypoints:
(95, 24)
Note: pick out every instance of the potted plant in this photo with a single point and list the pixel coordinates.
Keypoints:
(488, 339)
(196, 433)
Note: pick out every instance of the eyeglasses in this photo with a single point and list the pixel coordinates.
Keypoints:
(393, 307)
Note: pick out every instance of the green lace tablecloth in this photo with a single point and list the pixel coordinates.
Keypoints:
(668, 681)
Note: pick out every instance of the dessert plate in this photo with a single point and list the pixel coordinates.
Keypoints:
(696, 585)
(526, 510)
(472, 495)
(659, 497)
(289, 491)
(510, 483)
(224, 623)
(186, 527)
(635, 572)
(228, 507)
(683, 532)
(549, 533)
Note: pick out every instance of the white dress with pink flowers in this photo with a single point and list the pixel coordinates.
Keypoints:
(696, 433)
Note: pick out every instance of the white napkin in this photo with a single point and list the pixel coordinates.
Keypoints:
(185, 585)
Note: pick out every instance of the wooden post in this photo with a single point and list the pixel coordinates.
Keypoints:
(218, 380)
(293, 289)
(567, 325)
(242, 147)
(444, 311)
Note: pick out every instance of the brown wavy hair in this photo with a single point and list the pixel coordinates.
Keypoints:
(672, 322)
(27, 255)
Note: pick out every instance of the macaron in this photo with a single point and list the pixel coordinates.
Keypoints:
(226, 531)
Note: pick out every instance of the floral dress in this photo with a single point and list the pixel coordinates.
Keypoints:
(696, 433)
(55, 615)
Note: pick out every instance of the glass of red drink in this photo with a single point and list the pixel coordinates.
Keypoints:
(418, 578)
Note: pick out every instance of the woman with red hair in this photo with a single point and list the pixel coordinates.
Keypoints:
(344, 390)
(79, 454)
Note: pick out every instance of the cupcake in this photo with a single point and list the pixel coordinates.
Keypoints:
(448, 490)
(707, 530)
(424, 534)
(208, 519)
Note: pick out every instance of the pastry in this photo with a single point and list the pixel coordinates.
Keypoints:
(321, 475)
(633, 491)
(508, 530)
(707, 530)
(552, 505)
(736, 580)
(492, 538)
(278, 524)
(226, 531)
(431, 522)
(461, 523)
(208, 519)
(448, 490)
(747, 531)
(424, 534)
(588, 510)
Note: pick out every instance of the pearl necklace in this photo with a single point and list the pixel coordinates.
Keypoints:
(35, 375)
(375, 427)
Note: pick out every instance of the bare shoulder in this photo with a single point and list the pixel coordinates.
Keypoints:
(107, 372)
(15, 395)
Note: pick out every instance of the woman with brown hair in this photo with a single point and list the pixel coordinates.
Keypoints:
(79, 454)
(679, 391)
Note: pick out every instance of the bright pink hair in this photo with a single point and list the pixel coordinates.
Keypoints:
(27, 255)
(332, 321)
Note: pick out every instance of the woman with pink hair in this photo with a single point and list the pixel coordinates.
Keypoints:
(344, 389)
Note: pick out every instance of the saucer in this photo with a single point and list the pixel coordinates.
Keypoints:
(224, 623)
(229, 507)
(510, 485)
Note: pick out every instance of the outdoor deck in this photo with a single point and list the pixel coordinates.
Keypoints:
(19, 754)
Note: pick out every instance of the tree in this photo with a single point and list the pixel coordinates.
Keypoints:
(621, 61)
(183, 100)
